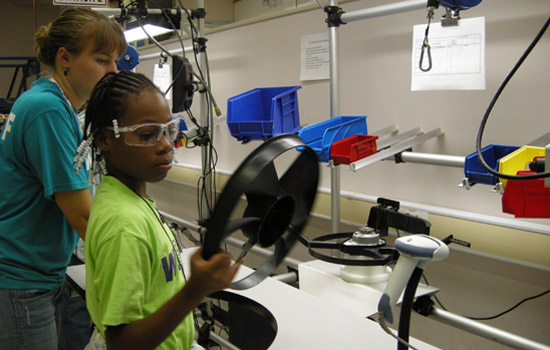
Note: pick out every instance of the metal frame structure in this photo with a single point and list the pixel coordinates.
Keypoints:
(399, 147)
(457, 321)
(31, 66)
(379, 11)
(204, 107)
(398, 144)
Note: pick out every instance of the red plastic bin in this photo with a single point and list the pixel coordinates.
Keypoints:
(526, 198)
(353, 148)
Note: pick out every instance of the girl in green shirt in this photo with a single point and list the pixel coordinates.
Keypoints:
(136, 290)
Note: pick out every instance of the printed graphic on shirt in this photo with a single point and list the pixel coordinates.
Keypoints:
(170, 265)
(7, 127)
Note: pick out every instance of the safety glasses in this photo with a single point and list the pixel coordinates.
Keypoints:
(147, 134)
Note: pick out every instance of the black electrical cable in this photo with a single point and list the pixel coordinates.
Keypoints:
(210, 162)
(492, 104)
(406, 308)
(510, 309)
(212, 154)
(180, 39)
(490, 317)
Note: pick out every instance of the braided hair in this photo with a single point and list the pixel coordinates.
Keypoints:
(107, 103)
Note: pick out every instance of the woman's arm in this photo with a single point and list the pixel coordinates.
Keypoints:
(75, 205)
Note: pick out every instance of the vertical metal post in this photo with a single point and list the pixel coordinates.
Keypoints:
(547, 165)
(204, 115)
(334, 112)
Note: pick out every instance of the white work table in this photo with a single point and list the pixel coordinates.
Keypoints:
(304, 321)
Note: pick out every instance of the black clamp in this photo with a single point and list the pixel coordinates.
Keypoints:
(198, 13)
(433, 3)
(203, 138)
(142, 9)
(334, 16)
(175, 19)
(399, 157)
(123, 15)
(387, 214)
(450, 239)
(423, 305)
(201, 45)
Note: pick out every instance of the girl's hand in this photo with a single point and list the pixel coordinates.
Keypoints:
(214, 274)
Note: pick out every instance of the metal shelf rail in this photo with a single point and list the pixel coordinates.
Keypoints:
(30, 66)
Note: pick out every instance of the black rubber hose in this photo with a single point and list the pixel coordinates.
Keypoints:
(406, 308)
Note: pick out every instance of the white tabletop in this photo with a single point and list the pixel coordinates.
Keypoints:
(304, 321)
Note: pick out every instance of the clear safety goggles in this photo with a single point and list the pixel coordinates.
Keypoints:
(147, 134)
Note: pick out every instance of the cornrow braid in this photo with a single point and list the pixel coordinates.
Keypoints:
(108, 102)
(109, 98)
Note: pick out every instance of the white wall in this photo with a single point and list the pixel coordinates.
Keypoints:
(375, 81)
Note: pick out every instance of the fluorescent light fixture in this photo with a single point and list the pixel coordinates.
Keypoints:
(137, 33)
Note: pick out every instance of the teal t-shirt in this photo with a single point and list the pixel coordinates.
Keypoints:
(132, 267)
(37, 146)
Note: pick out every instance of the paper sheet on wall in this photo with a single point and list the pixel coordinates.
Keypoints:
(314, 57)
(458, 56)
(162, 78)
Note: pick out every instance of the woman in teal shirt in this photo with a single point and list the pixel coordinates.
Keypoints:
(44, 204)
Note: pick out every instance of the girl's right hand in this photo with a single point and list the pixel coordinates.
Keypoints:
(212, 275)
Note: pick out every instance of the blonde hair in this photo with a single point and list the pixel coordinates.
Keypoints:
(73, 29)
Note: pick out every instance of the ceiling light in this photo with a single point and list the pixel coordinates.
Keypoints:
(137, 33)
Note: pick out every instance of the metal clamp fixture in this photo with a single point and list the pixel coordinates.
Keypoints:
(334, 16)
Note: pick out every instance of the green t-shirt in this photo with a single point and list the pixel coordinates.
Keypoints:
(131, 262)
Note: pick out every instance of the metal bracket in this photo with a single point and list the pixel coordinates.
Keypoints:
(334, 16)
(388, 130)
(450, 18)
(398, 138)
(465, 184)
(396, 147)
(499, 188)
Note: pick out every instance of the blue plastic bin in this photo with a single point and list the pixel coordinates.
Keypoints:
(320, 136)
(261, 113)
(476, 173)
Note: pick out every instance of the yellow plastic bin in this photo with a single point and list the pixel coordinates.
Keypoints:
(519, 160)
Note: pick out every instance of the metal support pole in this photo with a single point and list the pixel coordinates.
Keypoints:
(230, 240)
(433, 159)
(287, 277)
(113, 11)
(334, 112)
(547, 165)
(262, 251)
(485, 331)
(334, 82)
(204, 115)
(223, 342)
(153, 56)
(393, 150)
(181, 222)
(384, 10)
